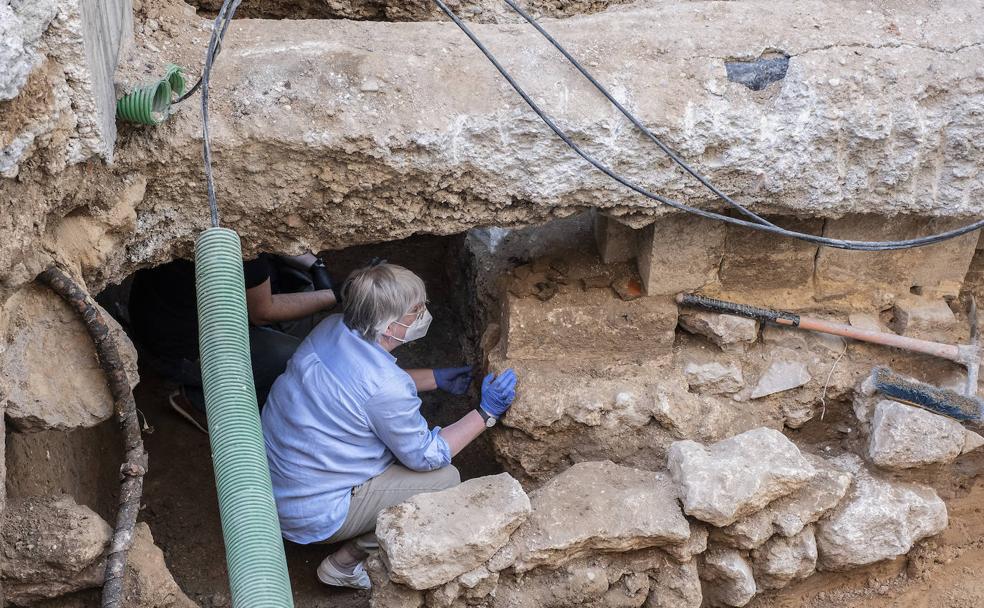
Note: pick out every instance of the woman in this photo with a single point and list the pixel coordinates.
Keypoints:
(344, 435)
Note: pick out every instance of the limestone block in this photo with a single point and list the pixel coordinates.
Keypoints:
(695, 545)
(922, 317)
(867, 322)
(149, 583)
(781, 375)
(788, 515)
(727, 331)
(433, 538)
(879, 519)
(735, 477)
(714, 377)
(904, 437)
(595, 323)
(51, 546)
(728, 578)
(679, 253)
(616, 242)
(782, 560)
(594, 507)
(756, 260)
(49, 372)
(675, 585)
(386, 593)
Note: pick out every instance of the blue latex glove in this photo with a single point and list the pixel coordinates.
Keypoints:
(498, 393)
(454, 380)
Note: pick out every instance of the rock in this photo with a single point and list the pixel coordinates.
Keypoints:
(675, 586)
(49, 371)
(597, 507)
(904, 437)
(386, 593)
(781, 376)
(756, 260)
(879, 519)
(51, 546)
(432, 538)
(727, 331)
(602, 323)
(738, 476)
(866, 322)
(616, 242)
(149, 583)
(782, 560)
(728, 578)
(478, 583)
(922, 317)
(679, 253)
(972, 441)
(784, 337)
(714, 377)
(788, 515)
(695, 545)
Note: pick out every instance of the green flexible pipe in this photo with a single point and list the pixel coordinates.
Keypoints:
(254, 547)
(150, 104)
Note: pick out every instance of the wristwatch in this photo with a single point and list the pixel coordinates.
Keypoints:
(489, 419)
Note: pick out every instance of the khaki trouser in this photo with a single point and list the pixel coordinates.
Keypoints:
(391, 487)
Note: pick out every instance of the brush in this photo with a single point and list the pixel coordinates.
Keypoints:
(933, 398)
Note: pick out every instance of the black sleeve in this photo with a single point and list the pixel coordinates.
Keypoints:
(257, 271)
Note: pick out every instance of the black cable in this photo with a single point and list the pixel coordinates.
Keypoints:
(820, 240)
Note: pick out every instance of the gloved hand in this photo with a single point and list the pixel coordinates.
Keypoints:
(454, 380)
(321, 279)
(498, 393)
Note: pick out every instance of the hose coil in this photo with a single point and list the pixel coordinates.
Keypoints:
(151, 104)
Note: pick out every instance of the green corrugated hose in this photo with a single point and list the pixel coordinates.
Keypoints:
(149, 104)
(254, 548)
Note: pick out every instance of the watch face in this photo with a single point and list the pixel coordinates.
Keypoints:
(490, 422)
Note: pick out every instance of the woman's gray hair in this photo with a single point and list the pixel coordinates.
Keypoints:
(375, 296)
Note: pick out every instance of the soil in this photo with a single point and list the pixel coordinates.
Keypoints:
(180, 502)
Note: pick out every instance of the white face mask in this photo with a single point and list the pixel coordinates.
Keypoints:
(417, 329)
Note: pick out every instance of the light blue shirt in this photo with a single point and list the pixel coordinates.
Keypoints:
(341, 413)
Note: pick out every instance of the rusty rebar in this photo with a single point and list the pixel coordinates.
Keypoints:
(135, 465)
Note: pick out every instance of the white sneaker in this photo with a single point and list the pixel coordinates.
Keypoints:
(330, 575)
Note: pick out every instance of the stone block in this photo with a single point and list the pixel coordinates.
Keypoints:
(695, 545)
(904, 437)
(589, 324)
(782, 560)
(788, 515)
(432, 538)
(596, 507)
(781, 375)
(714, 377)
(49, 372)
(922, 317)
(755, 260)
(679, 253)
(728, 578)
(729, 332)
(733, 478)
(879, 519)
(616, 242)
(149, 584)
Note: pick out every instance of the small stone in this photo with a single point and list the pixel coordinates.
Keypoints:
(371, 85)
(386, 593)
(695, 545)
(628, 288)
(781, 376)
(922, 317)
(866, 322)
(433, 538)
(724, 330)
(730, 578)
(972, 441)
(904, 437)
(782, 560)
(714, 377)
(738, 476)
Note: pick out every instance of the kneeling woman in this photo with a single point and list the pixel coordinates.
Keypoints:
(344, 435)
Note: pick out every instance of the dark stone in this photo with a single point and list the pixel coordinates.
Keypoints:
(758, 74)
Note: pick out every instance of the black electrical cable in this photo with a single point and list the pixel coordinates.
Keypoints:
(820, 240)
(222, 21)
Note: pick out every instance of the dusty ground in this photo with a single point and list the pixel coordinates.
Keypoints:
(179, 496)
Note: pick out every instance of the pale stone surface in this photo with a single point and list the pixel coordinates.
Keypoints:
(149, 584)
(433, 538)
(386, 593)
(922, 317)
(728, 578)
(49, 373)
(727, 331)
(738, 476)
(879, 519)
(675, 586)
(714, 377)
(782, 560)
(594, 507)
(51, 546)
(972, 441)
(867, 322)
(616, 242)
(788, 515)
(679, 253)
(904, 437)
(781, 375)
(596, 320)
(695, 545)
